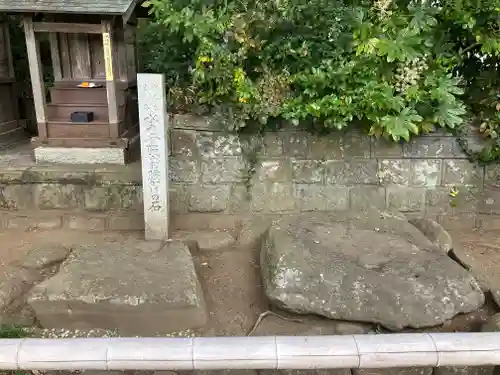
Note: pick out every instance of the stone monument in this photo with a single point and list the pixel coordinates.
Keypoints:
(154, 154)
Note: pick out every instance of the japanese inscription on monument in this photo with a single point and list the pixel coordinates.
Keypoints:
(154, 153)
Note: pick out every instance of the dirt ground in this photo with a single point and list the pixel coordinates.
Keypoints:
(233, 289)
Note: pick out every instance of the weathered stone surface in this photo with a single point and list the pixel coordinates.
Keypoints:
(430, 147)
(15, 282)
(55, 196)
(45, 256)
(252, 231)
(426, 173)
(182, 169)
(313, 197)
(434, 232)
(308, 171)
(394, 171)
(402, 198)
(462, 172)
(367, 266)
(208, 198)
(351, 172)
(272, 197)
(274, 171)
(228, 169)
(362, 197)
(133, 286)
(205, 240)
(383, 148)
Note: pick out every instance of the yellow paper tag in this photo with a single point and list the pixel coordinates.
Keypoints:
(108, 57)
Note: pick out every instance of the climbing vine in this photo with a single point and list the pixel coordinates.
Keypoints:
(396, 68)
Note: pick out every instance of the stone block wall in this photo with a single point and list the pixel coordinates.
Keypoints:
(72, 197)
(217, 178)
(291, 171)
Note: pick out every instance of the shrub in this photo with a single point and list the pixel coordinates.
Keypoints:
(395, 67)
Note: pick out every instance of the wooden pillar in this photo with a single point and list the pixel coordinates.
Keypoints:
(37, 84)
(111, 77)
(55, 56)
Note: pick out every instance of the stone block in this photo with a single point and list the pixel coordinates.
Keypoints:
(308, 171)
(183, 143)
(351, 172)
(113, 197)
(425, 173)
(272, 145)
(213, 145)
(312, 197)
(136, 287)
(296, 144)
(462, 172)
(219, 170)
(384, 148)
(492, 176)
(326, 147)
(490, 201)
(81, 155)
(63, 174)
(28, 222)
(16, 197)
(430, 147)
(439, 200)
(183, 169)
(208, 198)
(178, 198)
(102, 198)
(356, 145)
(87, 223)
(126, 222)
(188, 121)
(362, 197)
(393, 172)
(278, 170)
(403, 198)
(57, 196)
(240, 199)
(272, 197)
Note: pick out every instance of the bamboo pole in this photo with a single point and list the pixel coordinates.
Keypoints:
(269, 352)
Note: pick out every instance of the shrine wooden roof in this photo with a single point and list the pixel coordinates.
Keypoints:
(101, 7)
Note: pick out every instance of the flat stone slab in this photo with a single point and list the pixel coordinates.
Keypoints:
(133, 286)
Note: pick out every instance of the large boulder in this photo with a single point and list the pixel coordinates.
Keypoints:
(367, 266)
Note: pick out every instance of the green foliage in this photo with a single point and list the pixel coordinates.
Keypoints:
(396, 67)
(12, 332)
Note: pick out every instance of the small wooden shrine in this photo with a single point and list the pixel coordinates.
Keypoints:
(91, 111)
(11, 127)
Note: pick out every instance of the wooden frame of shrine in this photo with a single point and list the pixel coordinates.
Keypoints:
(92, 113)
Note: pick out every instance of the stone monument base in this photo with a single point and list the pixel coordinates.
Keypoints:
(87, 155)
